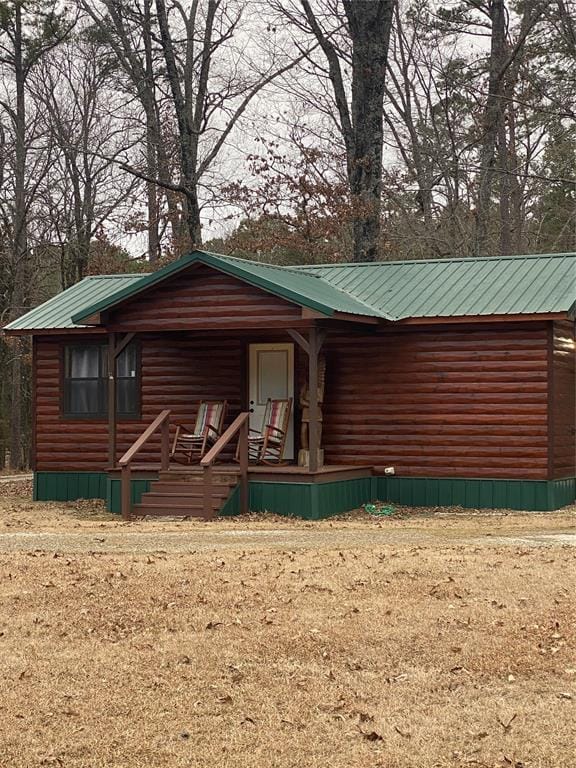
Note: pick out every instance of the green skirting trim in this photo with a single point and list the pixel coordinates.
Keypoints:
(563, 492)
(527, 495)
(313, 501)
(69, 486)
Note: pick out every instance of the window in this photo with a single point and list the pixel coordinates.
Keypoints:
(86, 381)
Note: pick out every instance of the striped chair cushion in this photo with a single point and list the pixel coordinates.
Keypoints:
(213, 415)
(208, 414)
(276, 418)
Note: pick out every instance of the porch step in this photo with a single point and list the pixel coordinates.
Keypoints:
(154, 497)
(166, 487)
(172, 510)
(175, 497)
(196, 475)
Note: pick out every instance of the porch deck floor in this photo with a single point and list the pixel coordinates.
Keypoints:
(284, 473)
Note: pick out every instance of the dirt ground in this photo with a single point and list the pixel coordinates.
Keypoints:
(417, 641)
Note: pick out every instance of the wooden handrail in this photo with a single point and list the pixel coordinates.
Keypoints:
(240, 426)
(144, 437)
(162, 421)
(224, 439)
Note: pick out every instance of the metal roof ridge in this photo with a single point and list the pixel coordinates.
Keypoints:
(371, 309)
(227, 257)
(447, 259)
(113, 275)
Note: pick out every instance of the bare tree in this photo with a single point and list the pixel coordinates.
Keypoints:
(366, 26)
(130, 30)
(429, 120)
(209, 78)
(28, 30)
(505, 53)
(81, 112)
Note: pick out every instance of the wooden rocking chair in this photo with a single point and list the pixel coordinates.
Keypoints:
(267, 445)
(208, 428)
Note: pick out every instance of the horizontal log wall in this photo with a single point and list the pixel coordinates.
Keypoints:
(563, 400)
(203, 298)
(177, 371)
(432, 402)
(440, 401)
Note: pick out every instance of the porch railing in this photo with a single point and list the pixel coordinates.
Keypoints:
(161, 422)
(239, 426)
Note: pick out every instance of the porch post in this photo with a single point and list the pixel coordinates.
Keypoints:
(111, 399)
(313, 350)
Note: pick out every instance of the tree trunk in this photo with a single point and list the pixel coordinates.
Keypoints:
(505, 192)
(193, 221)
(370, 24)
(517, 213)
(510, 192)
(491, 123)
(20, 254)
(153, 138)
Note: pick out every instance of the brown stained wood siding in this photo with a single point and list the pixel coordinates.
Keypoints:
(177, 372)
(440, 401)
(204, 298)
(563, 400)
(452, 402)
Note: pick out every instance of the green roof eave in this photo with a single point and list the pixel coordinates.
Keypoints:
(211, 260)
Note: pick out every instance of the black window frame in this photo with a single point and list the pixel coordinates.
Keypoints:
(102, 413)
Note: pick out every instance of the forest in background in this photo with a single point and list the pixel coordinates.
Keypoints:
(286, 130)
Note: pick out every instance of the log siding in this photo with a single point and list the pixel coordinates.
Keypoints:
(203, 298)
(440, 401)
(178, 370)
(431, 401)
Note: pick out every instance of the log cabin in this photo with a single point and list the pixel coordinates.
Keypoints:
(447, 382)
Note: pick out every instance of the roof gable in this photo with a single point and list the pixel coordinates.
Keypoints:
(298, 287)
(201, 298)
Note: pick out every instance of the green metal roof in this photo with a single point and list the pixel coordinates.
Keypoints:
(57, 312)
(306, 289)
(391, 290)
(507, 285)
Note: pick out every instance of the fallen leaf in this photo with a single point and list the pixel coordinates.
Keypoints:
(372, 735)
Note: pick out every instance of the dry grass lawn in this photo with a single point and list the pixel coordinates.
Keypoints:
(449, 654)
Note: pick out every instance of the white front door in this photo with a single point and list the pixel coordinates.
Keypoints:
(271, 375)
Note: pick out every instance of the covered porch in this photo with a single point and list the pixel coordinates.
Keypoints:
(146, 478)
(207, 329)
